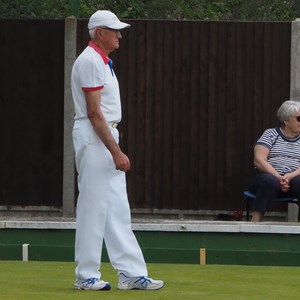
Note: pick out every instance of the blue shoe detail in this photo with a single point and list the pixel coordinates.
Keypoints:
(92, 284)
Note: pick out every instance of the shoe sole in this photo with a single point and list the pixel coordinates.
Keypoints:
(140, 289)
(107, 287)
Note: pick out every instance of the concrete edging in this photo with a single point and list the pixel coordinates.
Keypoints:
(170, 226)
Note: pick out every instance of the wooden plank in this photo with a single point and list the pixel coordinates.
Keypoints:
(131, 114)
(168, 106)
(140, 138)
(193, 52)
(159, 183)
(149, 115)
(204, 163)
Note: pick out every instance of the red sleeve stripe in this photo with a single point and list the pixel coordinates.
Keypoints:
(91, 89)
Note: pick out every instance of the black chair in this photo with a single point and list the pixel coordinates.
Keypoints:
(249, 197)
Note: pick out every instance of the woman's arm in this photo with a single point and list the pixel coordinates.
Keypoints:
(261, 154)
(290, 176)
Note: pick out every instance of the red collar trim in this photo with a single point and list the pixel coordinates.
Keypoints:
(100, 51)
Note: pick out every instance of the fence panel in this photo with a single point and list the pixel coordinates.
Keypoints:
(31, 105)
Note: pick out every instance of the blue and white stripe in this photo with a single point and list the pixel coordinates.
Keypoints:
(284, 153)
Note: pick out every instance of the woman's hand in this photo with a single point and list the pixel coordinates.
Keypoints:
(284, 183)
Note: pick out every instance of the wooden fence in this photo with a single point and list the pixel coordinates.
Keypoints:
(196, 95)
(31, 106)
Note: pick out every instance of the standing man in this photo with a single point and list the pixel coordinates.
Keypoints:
(103, 211)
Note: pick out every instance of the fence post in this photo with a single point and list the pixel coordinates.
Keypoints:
(293, 210)
(68, 165)
(295, 61)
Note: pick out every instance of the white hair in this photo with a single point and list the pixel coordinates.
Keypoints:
(92, 32)
(288, 109)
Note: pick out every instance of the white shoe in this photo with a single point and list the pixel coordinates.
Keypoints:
(138, 283)
(93, 284)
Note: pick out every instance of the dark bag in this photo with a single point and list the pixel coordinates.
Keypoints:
(235, 216)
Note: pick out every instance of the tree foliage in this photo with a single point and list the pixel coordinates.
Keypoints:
(35, 8)
(259, 10)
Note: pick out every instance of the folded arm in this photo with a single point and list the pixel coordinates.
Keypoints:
(261, 154)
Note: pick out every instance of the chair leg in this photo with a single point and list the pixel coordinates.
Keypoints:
(247, 208)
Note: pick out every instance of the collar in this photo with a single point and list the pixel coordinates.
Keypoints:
(100, 51)
(286, 138)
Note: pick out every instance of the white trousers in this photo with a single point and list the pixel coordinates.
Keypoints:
(103, 211)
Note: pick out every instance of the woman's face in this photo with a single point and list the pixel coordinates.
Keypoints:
(293, 124)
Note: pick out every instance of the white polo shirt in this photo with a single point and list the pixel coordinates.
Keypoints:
(90, 72)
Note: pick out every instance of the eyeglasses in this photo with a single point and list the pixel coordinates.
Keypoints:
(298, 118)
(110, 29)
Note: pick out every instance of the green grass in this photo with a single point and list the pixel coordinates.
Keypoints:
(54, 280)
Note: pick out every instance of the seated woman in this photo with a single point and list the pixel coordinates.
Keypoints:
(277, 161)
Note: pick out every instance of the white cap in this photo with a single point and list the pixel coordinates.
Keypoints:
(105, 18)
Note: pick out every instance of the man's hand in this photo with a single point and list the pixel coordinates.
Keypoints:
(102, 129)
(121, 161)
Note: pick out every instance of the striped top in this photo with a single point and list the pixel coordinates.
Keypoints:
(284, 153)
